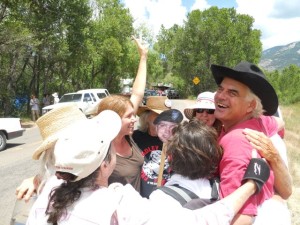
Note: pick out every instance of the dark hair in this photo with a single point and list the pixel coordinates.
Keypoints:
(194, 150)
(65, 195)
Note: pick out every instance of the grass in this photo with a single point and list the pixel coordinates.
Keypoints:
(291, 115)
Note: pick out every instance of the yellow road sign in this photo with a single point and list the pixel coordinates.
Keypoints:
(196, 80)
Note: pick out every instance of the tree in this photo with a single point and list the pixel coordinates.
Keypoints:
(219, 36)
(286, 83)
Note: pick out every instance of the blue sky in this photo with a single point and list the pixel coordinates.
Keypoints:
(219, 3)
(278, 20)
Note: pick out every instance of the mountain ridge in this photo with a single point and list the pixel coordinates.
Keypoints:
(279, 57)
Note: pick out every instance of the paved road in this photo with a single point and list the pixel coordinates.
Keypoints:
(16, 164)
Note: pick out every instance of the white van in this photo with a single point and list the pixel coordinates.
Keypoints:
(87, 100)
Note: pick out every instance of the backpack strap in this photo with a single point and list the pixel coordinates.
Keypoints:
(215, 188)
(181, 194)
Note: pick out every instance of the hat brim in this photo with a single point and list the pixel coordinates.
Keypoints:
(188, 111)
(142, 109)
(46, 144)
(258, 85)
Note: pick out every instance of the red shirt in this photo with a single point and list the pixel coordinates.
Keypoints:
(236, 157)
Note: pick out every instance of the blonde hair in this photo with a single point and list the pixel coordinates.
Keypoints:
(116, 103)
(143, 121)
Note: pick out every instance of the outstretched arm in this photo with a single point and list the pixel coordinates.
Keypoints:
(139, 84)
(283, 179)
(254, 181)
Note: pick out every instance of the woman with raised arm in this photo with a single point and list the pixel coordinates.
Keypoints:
(129, 157)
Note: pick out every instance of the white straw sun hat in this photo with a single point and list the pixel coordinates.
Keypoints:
(205, 100)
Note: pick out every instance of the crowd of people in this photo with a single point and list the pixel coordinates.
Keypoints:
(225, 164)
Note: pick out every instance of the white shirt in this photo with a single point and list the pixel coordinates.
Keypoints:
(98, 206)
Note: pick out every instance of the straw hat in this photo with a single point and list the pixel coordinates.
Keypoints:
(205, 100)
(156, 104)
(53, 123)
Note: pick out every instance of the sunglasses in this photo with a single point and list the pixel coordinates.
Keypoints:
(208, 111)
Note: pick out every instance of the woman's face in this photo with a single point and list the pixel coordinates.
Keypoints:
(206, 116)
(128, 120)
(164, 130)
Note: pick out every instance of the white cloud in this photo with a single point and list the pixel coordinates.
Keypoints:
(278, 20)
(156, 13)
(200, 4)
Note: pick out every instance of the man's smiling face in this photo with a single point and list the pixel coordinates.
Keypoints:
(232, 102)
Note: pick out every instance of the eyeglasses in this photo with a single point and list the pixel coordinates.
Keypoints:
(208, 111)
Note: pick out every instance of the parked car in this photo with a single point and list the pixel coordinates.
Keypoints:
(172, 93)
(148, 93)
(87, 100)
(9, 128)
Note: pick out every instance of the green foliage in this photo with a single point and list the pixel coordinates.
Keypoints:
(286, 83)
(61, 46)
(219, 36)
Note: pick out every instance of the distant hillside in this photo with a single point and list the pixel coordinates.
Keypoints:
(278, 57)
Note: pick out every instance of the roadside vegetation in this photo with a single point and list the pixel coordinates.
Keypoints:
(291, 114)
(64, 46)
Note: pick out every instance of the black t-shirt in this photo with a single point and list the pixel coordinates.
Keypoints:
(151, 150)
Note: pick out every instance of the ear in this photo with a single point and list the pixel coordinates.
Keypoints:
(252, 106)
(104, 164)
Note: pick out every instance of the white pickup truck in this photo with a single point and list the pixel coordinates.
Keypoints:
(86, 100)
(9, 128)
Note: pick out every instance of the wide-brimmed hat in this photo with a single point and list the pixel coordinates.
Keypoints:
(52, 124)
(171, 115)
(156, 104)
(205, 100)
(252, 76)
(82, 147)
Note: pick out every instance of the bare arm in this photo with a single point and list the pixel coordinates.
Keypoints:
(139, 84)
(238, 198)
(283, 179)
(28, 187)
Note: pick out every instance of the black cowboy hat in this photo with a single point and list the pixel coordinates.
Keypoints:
(250, 75)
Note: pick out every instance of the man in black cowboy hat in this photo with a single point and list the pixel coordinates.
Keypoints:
(242, 100)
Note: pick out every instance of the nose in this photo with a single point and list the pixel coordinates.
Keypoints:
(133, 118)
(205, 113)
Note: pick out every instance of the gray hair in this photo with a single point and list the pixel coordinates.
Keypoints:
(258, 110)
